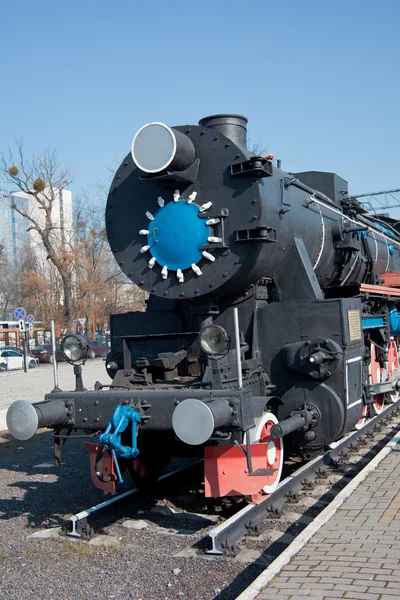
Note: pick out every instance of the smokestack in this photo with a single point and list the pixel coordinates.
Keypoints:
(234, 127)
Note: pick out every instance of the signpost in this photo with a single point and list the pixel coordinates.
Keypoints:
(19, 314)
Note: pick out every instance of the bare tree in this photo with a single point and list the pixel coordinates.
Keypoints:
(256, 147)
(9, 288)
(42, 180)
(41, 288)
(100, 285)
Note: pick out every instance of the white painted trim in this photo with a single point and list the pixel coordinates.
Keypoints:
(388, 258)
(283, 559)
(355, 359)
(356, 258)
(349, 361)
(323, 238)
(354, 403)
(376, 246)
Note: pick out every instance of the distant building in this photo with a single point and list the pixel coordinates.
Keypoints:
(13, 228)
(14, 234)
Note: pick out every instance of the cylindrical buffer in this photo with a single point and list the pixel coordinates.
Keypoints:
(24, 418)
(157, 147)
(194, 421)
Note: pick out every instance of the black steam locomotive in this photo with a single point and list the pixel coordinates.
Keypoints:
(272, 313)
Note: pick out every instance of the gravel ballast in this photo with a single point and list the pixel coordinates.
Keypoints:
(129, 562)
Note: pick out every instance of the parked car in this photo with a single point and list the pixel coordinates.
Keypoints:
(97, 348)
(11, 359)
(19, 350)
(44, 353)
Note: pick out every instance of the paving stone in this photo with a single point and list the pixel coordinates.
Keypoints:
(104, 540)
(303, 594)
(173, 531)
(163, 509)
(135, 524)
(267, 596)
(354, 588)
(274, 535)
(247, 556)
(187, 553)
(293, 516)
(381, 589)
(375, 570)
(294, 583)
(54, 532)
(361, 596)
(388, 578)
(321, 586)
(335, 580)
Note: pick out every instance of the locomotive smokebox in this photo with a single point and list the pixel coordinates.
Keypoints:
(234, 127)
(194, 421)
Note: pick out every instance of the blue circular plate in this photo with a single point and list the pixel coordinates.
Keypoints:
(176, 234)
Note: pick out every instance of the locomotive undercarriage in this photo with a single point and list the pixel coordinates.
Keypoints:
(353, 372)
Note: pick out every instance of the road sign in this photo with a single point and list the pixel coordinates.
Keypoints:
(21, 325)
(19, 313)
(30, 327)
(30, 319)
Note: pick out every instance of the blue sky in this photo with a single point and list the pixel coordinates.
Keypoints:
(318, 80)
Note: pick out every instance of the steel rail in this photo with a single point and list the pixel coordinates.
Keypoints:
(222, 539)
(71, 523)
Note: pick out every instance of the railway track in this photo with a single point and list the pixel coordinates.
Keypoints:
(80, 524)
(275, 521)
(312, 487)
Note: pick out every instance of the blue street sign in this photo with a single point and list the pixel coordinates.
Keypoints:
(19, 313)
(30, 319)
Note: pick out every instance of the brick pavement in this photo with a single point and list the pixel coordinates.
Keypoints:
(356, 554)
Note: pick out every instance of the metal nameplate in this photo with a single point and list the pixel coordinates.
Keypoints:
(354, 318)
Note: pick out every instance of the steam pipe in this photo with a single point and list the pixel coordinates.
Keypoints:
(288, 426)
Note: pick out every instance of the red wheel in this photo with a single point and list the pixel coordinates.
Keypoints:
(154, 456)
(261, 433)
(393, 366)
(141, 469)
(375, 376)
(363, 417)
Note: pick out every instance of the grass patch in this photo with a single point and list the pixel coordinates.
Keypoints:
(79, 549)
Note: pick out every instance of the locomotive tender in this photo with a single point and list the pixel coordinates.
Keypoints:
(272, 313)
